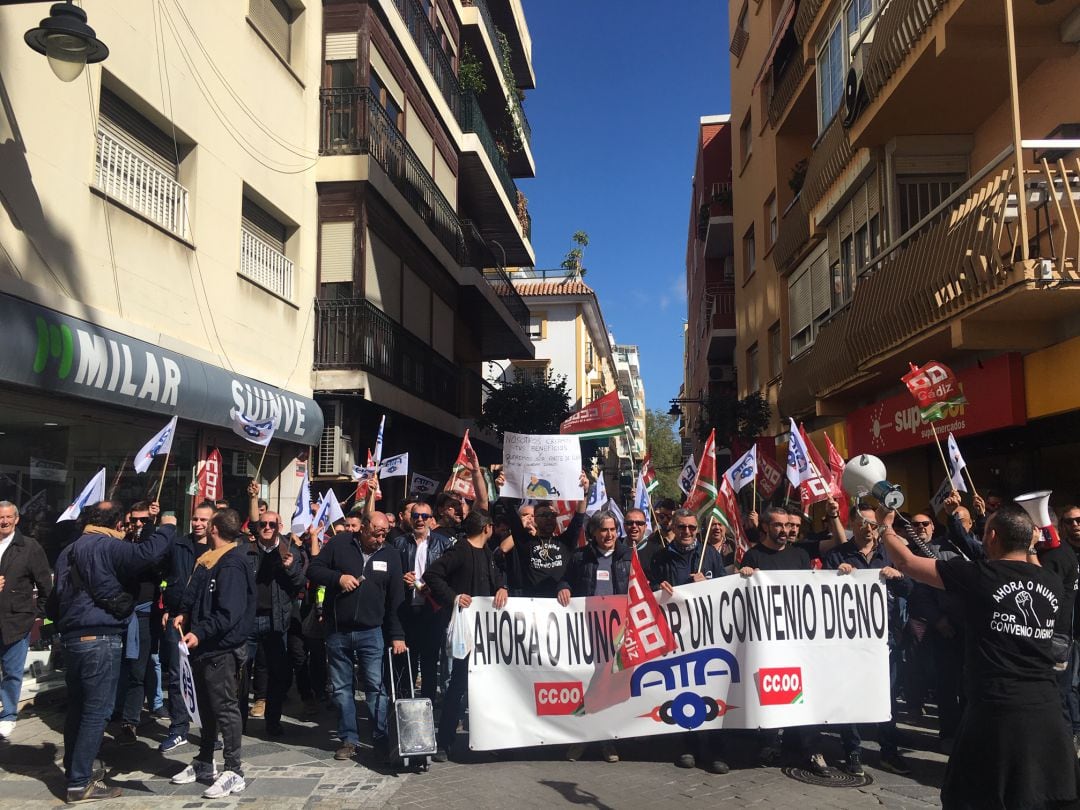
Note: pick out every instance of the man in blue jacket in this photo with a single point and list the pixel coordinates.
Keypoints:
(216, 619)
(93, 612)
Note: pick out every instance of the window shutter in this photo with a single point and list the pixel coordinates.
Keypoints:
(799, 302)
(820, 286)
(273, 18)
(120, 120)
(341, 46)
(336, 252)
(263, 224)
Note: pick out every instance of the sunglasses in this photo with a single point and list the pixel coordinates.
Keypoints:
(140, 520)
(922, 524)
(1072, 521)
(421, 515)
(267, 524)
(685, 528)
(633, 522)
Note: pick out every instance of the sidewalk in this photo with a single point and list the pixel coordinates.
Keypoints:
(299, 771)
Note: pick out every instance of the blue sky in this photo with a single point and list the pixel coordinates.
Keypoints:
(620, 89)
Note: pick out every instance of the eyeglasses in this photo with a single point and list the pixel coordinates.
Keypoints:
(922, 524)
(685, 528)
(633, 523)
(870, 524)
(140, 519)
(267, 524)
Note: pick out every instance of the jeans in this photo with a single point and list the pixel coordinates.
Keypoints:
(271, 643)
(179, 722)
(92, 669)
(217, 683)
(12, 665)
(454, 700)
(131, 687)
(342, 650)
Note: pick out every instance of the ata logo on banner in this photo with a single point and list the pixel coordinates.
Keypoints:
(687, 709)
(779, 686)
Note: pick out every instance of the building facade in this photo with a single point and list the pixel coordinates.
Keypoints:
(421, 134)
(709, 362)
(159, 253)
(911, 171)
(632, 397)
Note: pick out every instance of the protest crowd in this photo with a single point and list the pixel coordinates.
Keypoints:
(241, 606)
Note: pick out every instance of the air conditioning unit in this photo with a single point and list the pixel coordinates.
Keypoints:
(346, 459)
(241, 465)
(855, 97)
(334, 455)
(724, 374)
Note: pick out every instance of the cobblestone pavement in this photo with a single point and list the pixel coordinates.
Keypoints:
(299, 771)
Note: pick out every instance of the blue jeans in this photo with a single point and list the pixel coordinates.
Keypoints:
(12, 664)
(92, 669)
(278, 669)
(367, 648)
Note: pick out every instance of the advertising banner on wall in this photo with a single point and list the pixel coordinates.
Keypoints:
(772, 650)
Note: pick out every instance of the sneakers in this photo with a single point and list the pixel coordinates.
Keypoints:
(853, 765)
(6, 727)
(608, 752)
(717, 766)
(575, 752)
(228, 783)
(894, 763)
(259, 709)
(161, 713)
(685, 761)
(92, 793)
(126, 735)
(197, 771)
(347, 751)
(440, 756)
(815, 763)
(171, 743)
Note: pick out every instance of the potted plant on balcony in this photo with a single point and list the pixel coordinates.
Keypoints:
(572, 262)
(798, 177)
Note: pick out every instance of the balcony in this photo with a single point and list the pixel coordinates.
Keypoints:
(786, 86)
(503, 313)
(509, 17)
(354, 123)
(720, 310)
(793, 236)
(715, 224)
(122, 175)
(832, 154)
(431, 52)
(265, 265)
(961, 280)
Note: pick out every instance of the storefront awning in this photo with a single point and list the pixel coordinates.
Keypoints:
(46, 350)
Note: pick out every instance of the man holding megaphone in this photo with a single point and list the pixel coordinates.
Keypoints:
(1012, 749)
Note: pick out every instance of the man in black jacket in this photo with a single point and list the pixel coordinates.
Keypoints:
(93, 612)
(181, 562)
(279, 575)
(364, 593)
(23, 567)
(218, 611)
(467, 570)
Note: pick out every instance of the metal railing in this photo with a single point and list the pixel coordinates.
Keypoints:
(479, 255)
(794, 232)
(897, 30)
(472, 120)
(473, 393)
(804, 17)
(353, 122)
(354, 333)
(442, 70)
(493, 34)
(265, 264)
(784, 88)
(832, 154)
(125, 176)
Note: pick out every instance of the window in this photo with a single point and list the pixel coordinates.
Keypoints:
(857, 15)
(771, 218)
(749, 253)
(588, 355)
(262, 250)
(336, 259)
(919, 194)
(746, 138)
(273, 19)
(537, 327)
(753, 379)
(775, 359)
(595, 393)
(741, 36)
(138, 165)
(386, 101)
(831, 67)
(808, 299)
(535, 370)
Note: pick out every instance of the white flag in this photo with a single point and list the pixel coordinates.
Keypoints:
(641, 501)
(617, 512)
(160, 445)
(91, 494)
(360, 474)
(187, 686)
(422, 485)
(301, 518)
(598, 496)
(329, 511)
(379, 440)
(688, 474)
(743, 471)
(395, 466)
(256, 431)
(956, 465)
(937, 503)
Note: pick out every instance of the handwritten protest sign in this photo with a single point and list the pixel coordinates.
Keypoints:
(545, 468)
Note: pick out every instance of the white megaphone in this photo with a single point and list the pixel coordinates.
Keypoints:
(1037, 505)
(865, 475)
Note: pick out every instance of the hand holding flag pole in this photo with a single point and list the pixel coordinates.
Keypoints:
(705, 540)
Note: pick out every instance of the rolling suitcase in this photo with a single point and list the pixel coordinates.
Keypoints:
(410, 721)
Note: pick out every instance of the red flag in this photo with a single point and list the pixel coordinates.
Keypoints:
(769, 472)
(703, 493)
(460, 480)
(210, 477)
(836, 470)
(648, 474)
(366, 484)
(603, 417)
(728, 504)
(935, 389)
(822, 468)
(646, 634)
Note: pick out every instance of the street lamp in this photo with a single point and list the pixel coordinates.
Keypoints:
(67, 41)
(677, 411)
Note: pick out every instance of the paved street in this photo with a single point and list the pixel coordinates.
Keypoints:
(302, 773)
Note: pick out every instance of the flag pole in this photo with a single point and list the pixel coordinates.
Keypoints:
(941, 452)
(119, 475)
(755, 492)
(164, 469)
(262, 458)
(974, 492)
(705, 542)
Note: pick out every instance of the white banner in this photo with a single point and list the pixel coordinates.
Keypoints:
(422, 485)
(688, 474)
(546, 468)
(187, 686)
(395, 466)
(777, 649)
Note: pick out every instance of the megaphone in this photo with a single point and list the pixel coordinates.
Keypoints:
(1037, 505)
(865, 475)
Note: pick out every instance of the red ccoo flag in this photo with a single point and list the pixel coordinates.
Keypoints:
(648, 474)
(702, 497)
(602, 417)
(460, 480)
(646, 634)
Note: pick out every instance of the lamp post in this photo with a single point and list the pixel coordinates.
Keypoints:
(676, 402)
(67, 41)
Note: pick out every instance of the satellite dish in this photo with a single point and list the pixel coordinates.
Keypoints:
(854, 97)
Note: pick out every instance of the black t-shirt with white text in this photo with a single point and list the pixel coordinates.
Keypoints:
(1010, 609)
(544, 563)
(788, 558)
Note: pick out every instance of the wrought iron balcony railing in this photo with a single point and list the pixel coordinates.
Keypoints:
(493, 34)
(442, 69)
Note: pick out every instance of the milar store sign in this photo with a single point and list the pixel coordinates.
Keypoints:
(995, 399)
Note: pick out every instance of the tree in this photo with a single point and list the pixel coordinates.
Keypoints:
(666, 450)
(744, 419)
(529, 404)
(572, 264)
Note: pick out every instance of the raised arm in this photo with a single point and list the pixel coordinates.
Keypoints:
(920, 569)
